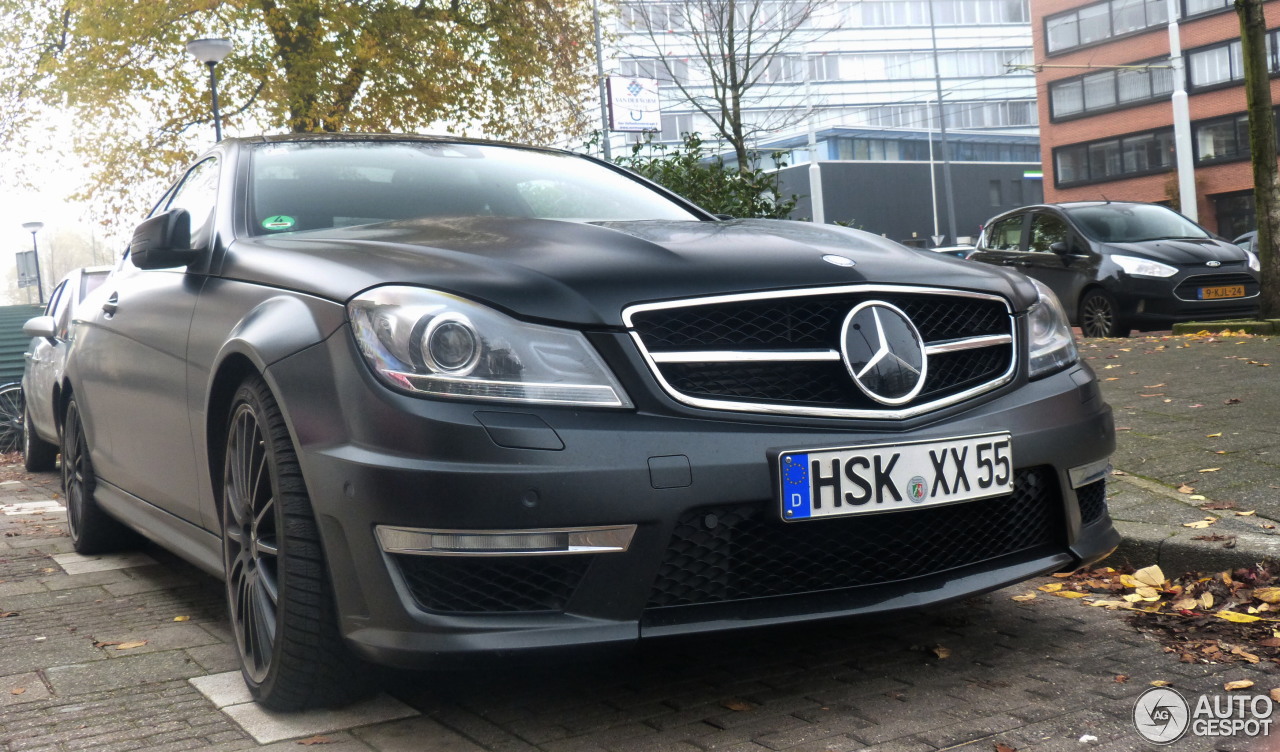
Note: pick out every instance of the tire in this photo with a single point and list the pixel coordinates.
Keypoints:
(92, 530)
(38, 455)
(12, 409)
(279, 596)
(1100, 316)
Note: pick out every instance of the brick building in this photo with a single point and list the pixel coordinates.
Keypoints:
(1106, 132)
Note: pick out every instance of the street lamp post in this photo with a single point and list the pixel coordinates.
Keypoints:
(33, 228)
(211, 52)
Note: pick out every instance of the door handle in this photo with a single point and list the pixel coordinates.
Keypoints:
(112, 305)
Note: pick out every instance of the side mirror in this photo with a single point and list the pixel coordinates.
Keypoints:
(40, 326)
(1060, 247)
(163, 241)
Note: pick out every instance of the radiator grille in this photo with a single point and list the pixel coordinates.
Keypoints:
(731, 553)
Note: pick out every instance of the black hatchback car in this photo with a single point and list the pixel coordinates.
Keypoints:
(416, 397)
(1120, 266)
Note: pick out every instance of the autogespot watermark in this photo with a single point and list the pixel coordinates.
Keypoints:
(1163, 716)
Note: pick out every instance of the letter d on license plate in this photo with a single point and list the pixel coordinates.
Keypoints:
(889, 477)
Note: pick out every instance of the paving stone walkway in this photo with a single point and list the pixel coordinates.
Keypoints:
(132, 653)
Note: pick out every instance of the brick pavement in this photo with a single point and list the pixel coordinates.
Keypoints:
(1036, 676)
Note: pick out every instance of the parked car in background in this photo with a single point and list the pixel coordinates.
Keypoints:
(1119, 266)
(1247, 241)
(417, 397)
(45, 360)
(959, 251)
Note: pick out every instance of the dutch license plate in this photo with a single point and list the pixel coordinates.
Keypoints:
(1222, 291)
(890, 477)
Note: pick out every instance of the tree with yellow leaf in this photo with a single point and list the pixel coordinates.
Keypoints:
(505, 68)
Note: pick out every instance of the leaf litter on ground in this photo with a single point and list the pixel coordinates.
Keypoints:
(1219, 617)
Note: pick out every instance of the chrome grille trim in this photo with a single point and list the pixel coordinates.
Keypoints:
(655, 361)
(746, 356)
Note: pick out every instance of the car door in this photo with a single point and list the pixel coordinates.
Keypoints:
(131, 365)
(1001, 241)
(45, 357)
(1057, 256)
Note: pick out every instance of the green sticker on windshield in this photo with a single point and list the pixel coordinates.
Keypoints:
(278, 222)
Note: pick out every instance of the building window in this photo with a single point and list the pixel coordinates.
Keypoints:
(675, 126)
(908, 13)
(645, 16)
(997, 193)
(1222, 139)
(656, 69)
(1109, 159)
(1216, 65)
(1196, 7)
(1099, 21)
(1107, 90)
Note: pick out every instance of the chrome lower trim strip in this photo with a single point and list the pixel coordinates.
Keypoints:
(1090, 473)
(491, 543)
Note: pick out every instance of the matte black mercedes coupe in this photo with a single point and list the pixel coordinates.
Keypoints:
(414, 397)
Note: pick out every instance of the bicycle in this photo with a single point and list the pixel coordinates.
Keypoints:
(12, 412)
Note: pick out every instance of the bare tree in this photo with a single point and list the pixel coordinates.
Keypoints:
(737, 62)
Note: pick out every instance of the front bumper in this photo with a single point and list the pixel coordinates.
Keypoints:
(1148, 303)
(373, 458)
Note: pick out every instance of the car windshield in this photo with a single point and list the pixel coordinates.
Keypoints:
(313, 185)
(1134, 223)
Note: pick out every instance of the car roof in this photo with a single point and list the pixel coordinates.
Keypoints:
(385, 138)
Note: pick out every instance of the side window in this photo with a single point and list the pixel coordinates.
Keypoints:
(197, 194)
(1006, 235)
(1047, 229)
(59, 308)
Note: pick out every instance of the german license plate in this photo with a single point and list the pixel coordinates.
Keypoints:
(889, 477)
(1222, 291)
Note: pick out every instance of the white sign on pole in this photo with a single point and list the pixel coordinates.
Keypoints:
(633, 104)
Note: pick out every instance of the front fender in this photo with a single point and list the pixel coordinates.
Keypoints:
(272, 325)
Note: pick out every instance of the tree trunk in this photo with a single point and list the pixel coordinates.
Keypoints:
(1262, 145)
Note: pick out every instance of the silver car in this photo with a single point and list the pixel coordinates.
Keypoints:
(45, 359)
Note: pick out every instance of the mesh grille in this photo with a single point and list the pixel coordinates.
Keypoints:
(730, 553)
(465, 584)
(1093, 501)
(1188, 289)
(809, 322)
(814, 323)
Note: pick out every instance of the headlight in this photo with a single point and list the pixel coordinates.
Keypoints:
(1252, 257)
(1144, 267)
(1052, 346)
(434, 344)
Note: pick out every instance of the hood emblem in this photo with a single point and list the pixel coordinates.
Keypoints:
(844, 261)
(1215, 263)
(884, 352)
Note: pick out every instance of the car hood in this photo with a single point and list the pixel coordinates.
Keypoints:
(1181, 252)
(587, 273)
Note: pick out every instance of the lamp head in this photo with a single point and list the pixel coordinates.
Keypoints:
(32, 226)
(209, 51)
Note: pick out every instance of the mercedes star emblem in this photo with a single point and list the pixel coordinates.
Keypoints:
(884, 352)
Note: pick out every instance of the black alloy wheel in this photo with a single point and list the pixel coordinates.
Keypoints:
(278, 592)
(92, 530)
(1100, 317)
(38, 455)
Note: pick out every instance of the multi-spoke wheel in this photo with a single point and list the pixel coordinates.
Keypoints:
(12, 409)
(38, 455)
(92, 530)
(1100, 317)
(278, 591)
